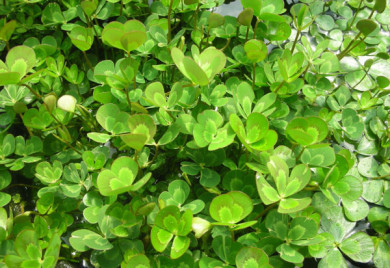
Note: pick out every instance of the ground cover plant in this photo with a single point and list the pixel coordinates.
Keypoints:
(164, 134)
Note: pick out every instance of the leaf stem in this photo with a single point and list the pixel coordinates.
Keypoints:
(169, 22)
(255, 29)
(67, 143)
(300, 153)
(381, 177)
(226, 45)
(87, 60)
(355, 15)
(196, 16)
(28, 129)
(280, 86)
(345, 51)
(36, 94)
(295, 40)
(265, 211)
(254, 76)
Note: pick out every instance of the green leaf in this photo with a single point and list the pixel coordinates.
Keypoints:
(299, 178)
(231, 207)
(349, 188)
(245, 17)
(160, 238)
(119, 179)
(380, 6)
(307, 130)
(180, 245)
(52, 14)
(248, 257)
(255, 5)
(128, 36)
(366, 26)
(288, 253)
(21, 59)
(112, 119)
(7, 30)
(209, 178)
(382, 255)
(178, 191)
(99, 137)
(359, 247)
(291, 205)
(48, 173)
(333, 259)
(321, 155)
(37, 119)
(355, 210)
(5, 179)
(216, 20)
(155, 94)
(83, 239)
(255, 50)
(266, 192)
(302, 228)
(188, 67)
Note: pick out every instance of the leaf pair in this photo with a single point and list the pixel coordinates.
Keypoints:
(171, 224)
(209, 131)
(81, 37)
(202, 69)
(307, 130)
(120, 178)
(286, 185)
(231, 208)
(177, 194)
(19, 61)
(128, 36)
(119, 76)
(255, 135)
(155, 94)
(300, 232)
(29, 253)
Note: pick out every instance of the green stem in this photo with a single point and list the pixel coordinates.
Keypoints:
(255, 29)
(295, 40)
(169, 21)
(265, 211)
(155, 155)
(226, 45)
(67, 144)
(300, 153)
(345, 51)
(247, 32)
(196, 16)
(208, 36)
(280, 86)
(381, 177)
(254, 76)
(353, 47)
(88, 62)
(371, 14)
(355, 15)
(121, 12)
(36, 94)
(232, 234)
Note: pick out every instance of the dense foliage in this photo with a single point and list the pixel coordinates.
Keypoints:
(161, 134)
